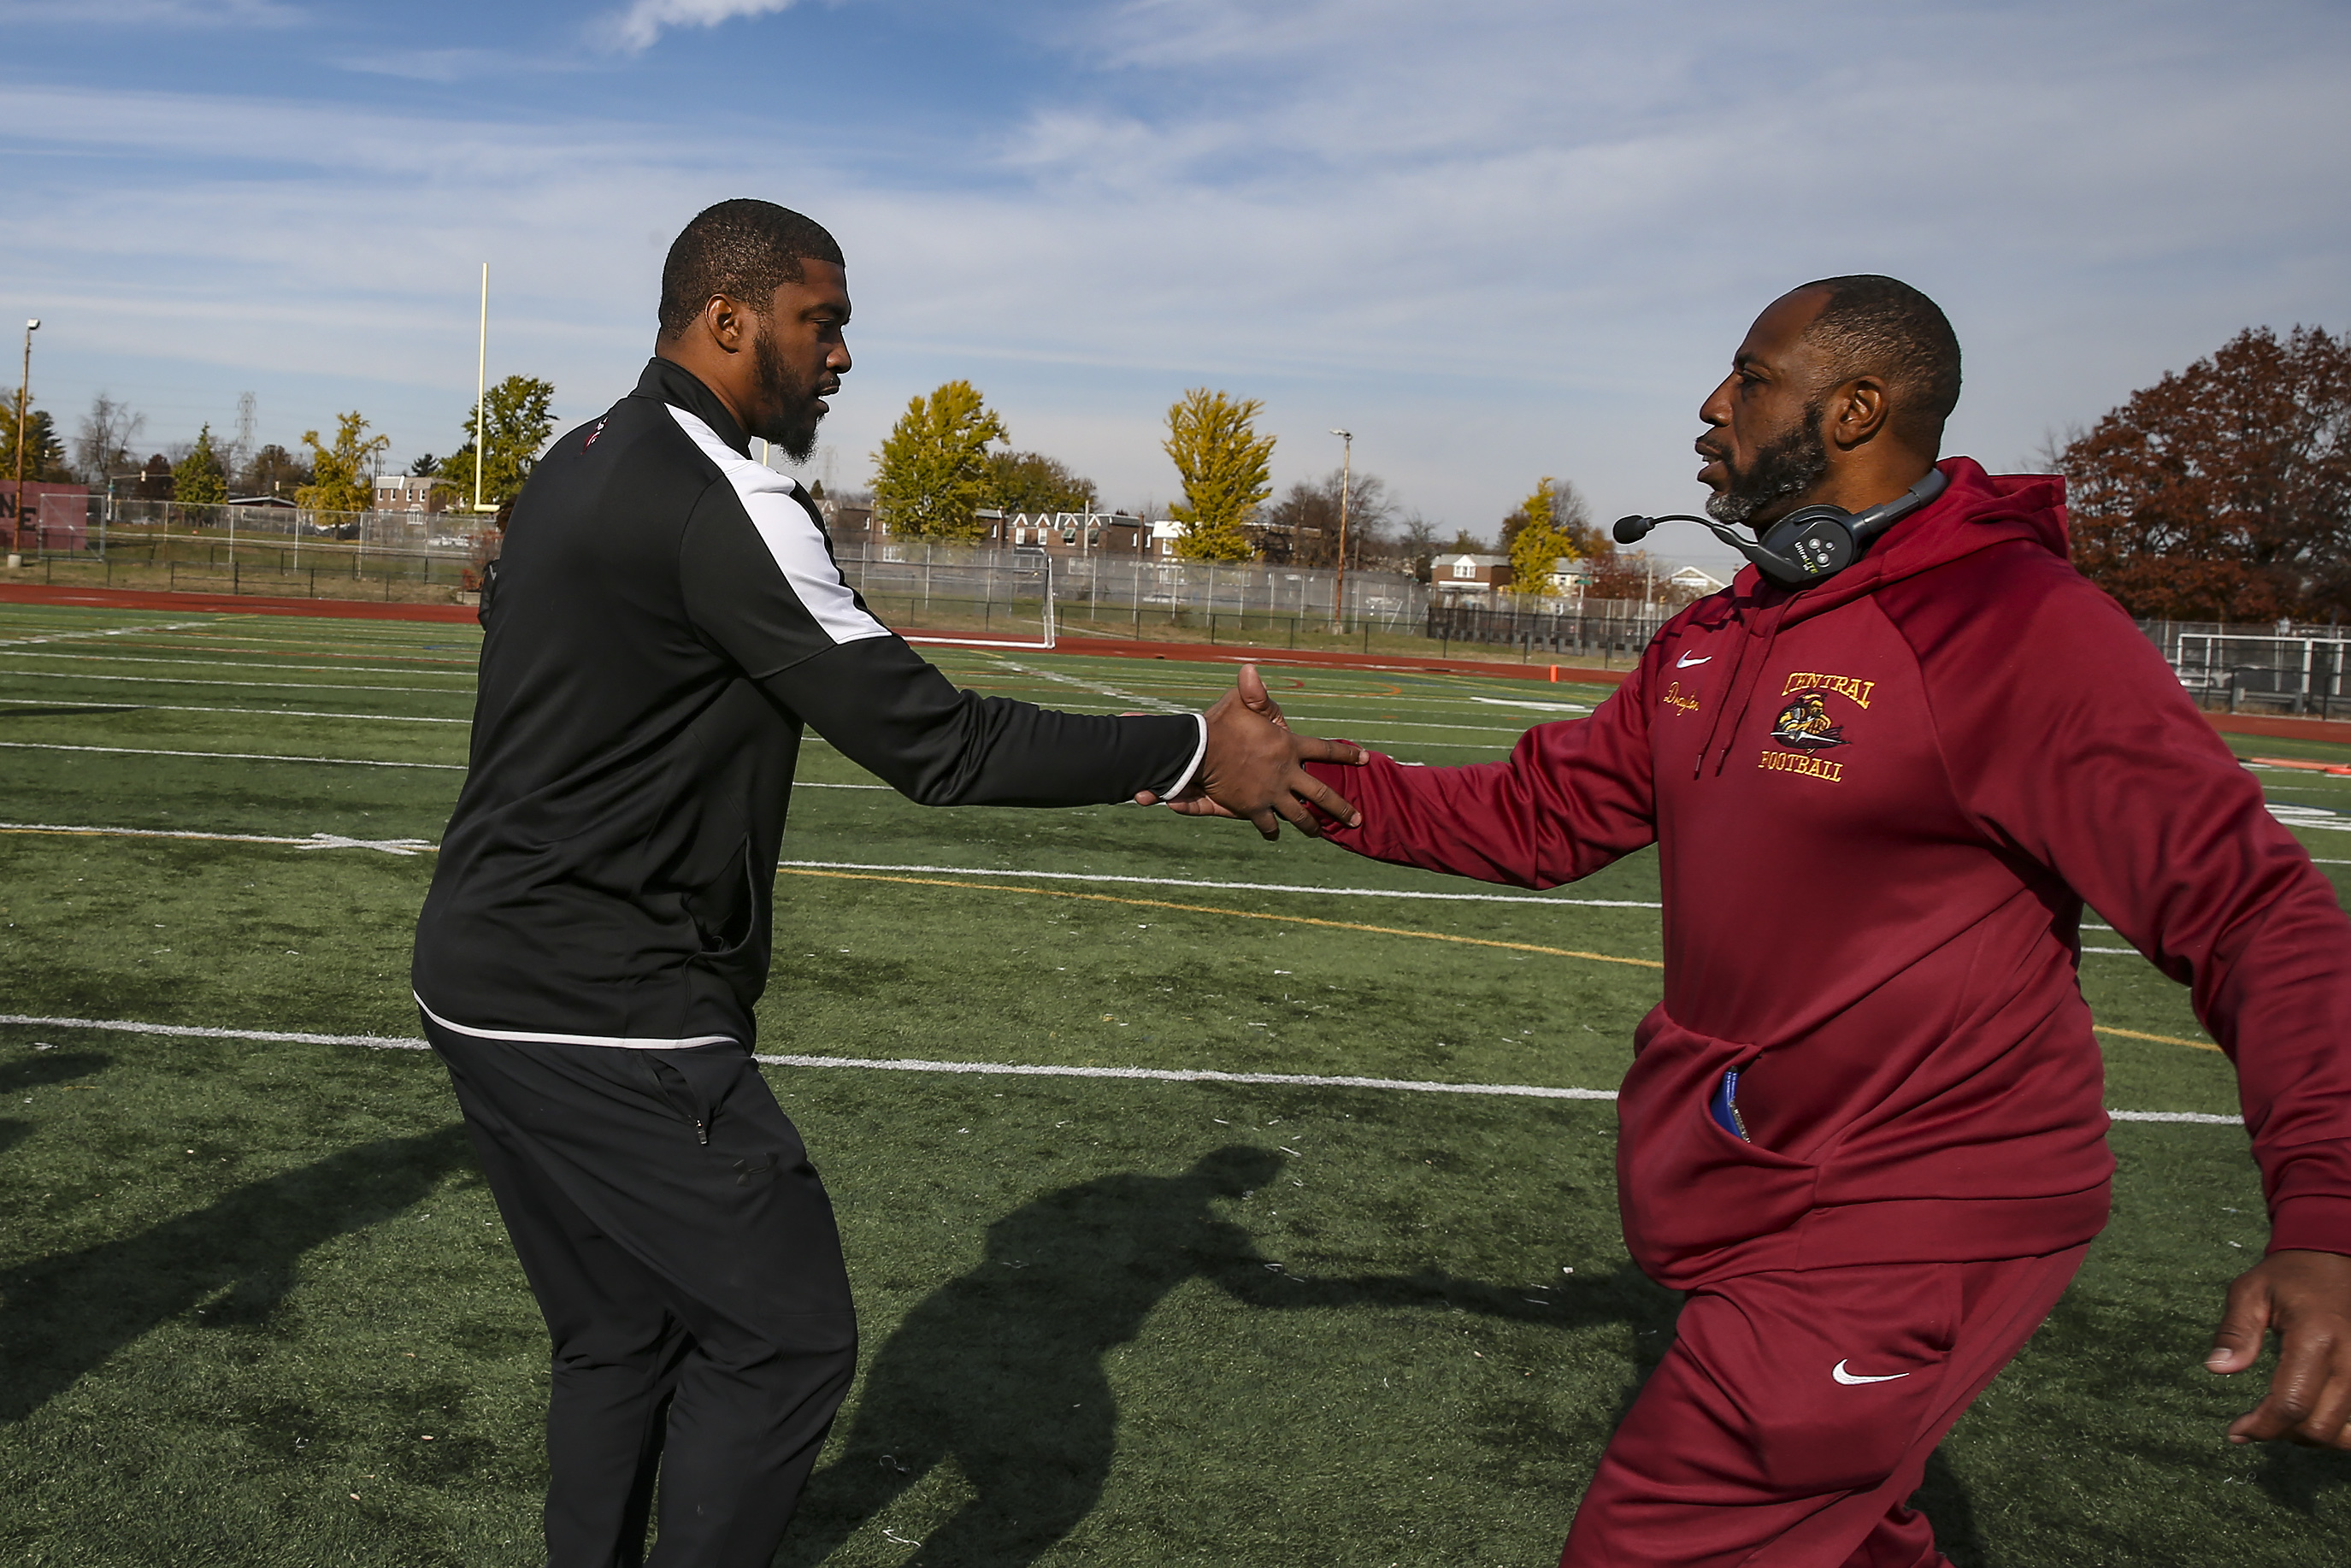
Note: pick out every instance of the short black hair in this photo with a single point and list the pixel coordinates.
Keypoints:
(1880, 326)
(746, 249)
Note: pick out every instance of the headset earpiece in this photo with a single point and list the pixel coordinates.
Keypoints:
(1818, 539)
(1810, 544)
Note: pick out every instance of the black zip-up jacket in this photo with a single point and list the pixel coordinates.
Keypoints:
(667, 616)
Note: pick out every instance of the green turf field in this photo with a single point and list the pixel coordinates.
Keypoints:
(256, 1307)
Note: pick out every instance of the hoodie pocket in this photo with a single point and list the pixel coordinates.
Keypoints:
(1689, 1185)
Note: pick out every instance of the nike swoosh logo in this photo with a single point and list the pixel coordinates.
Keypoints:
(1684, 662)
(1842, 1375)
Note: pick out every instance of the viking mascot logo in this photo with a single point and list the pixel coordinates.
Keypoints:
(1804, 725)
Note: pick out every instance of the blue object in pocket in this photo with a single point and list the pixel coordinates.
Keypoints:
(1724, 1107)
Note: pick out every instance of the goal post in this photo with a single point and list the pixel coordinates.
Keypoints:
(967, 603)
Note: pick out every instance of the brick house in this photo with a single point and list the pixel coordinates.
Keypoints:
(411, 492)
(1454, 575)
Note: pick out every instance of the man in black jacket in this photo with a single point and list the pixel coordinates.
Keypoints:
(667, 617)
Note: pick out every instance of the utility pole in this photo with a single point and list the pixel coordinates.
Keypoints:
(1346, 481)
(481, 389)
(24, 407)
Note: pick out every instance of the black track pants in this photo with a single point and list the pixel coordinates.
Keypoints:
(684, 1253)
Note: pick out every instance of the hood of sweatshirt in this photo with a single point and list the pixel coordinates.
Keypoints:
(1977, 511)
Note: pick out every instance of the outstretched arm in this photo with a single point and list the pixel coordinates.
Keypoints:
(761, 586)
(1573, 796)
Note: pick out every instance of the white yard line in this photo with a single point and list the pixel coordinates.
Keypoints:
(1114, 692)
(1234, 886)
(238, 756)
(2315, 817)
(266, 685)
(462, 674)
(315, 842)
(111, 632)
(1547, 708)
(241, 712)
(988, 1069)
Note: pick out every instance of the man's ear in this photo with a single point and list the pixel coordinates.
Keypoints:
(1857, 412)
(728, 323)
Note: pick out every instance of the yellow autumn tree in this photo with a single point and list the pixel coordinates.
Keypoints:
(932, 474)
(1552, 523)
(1226, 468)
(343, 476)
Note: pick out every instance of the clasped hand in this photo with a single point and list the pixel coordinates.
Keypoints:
(1255, 767)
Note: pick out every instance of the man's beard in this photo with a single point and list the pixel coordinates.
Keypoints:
(791, 427)
(1788, 465)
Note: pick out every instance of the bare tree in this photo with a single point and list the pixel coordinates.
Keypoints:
(102, 445)
(1302, 527)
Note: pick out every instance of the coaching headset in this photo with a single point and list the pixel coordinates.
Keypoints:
(1810, 544)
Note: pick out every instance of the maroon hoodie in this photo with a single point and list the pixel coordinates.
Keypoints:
(1879, 804)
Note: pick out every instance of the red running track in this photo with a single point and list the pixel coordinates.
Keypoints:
(2336, 730)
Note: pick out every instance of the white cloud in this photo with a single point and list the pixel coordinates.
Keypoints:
(639, 27)
(1495, 241)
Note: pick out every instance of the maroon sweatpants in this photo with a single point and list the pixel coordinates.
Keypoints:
(1794, 1414)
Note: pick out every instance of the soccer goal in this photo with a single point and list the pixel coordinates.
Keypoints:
(971, 599)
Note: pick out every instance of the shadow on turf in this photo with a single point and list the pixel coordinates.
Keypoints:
(2295, 1476)
(37, 1070)
(65, 1314)
(1001, 1369)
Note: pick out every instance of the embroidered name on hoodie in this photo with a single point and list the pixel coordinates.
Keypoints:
(1674, 699)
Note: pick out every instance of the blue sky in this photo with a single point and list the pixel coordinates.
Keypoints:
(1496, 240)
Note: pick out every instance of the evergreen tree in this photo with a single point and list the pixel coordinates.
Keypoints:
(201, 482)
(932, 474)
(516, 423)
(45, 455)
(1225, 465)
(343, 476)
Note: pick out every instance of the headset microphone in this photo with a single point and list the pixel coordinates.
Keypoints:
(1810, 544)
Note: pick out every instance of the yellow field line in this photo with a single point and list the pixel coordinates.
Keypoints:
(1238, 914)
(1348, 926)
(2158, 1039)
(1132, 903)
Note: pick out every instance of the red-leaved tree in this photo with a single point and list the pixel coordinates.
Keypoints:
(2223, 492)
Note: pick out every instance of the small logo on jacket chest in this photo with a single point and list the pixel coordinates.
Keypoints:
(1675, 699)
(1807, 726)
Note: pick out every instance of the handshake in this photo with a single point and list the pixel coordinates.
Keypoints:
(1254, 768)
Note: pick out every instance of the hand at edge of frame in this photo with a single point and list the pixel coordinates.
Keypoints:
(2306, 1296)
(1252, 766)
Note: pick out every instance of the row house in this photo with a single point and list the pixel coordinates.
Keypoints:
(413, 493)
(1068, 533)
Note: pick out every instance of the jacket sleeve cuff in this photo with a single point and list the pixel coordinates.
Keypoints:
(2316, 1222)
(1184, 778)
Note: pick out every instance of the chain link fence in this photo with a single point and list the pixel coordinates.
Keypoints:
(280, 551)
(2283, 667)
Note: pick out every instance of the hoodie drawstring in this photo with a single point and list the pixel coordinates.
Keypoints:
(1738, 693)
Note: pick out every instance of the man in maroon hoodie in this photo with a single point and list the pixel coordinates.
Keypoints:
(1863, 1131)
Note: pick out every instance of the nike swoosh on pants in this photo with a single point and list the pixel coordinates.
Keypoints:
(1842, 1375)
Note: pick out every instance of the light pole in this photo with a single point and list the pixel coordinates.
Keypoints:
(24, 407)
(481, 389)
(1346, 480)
